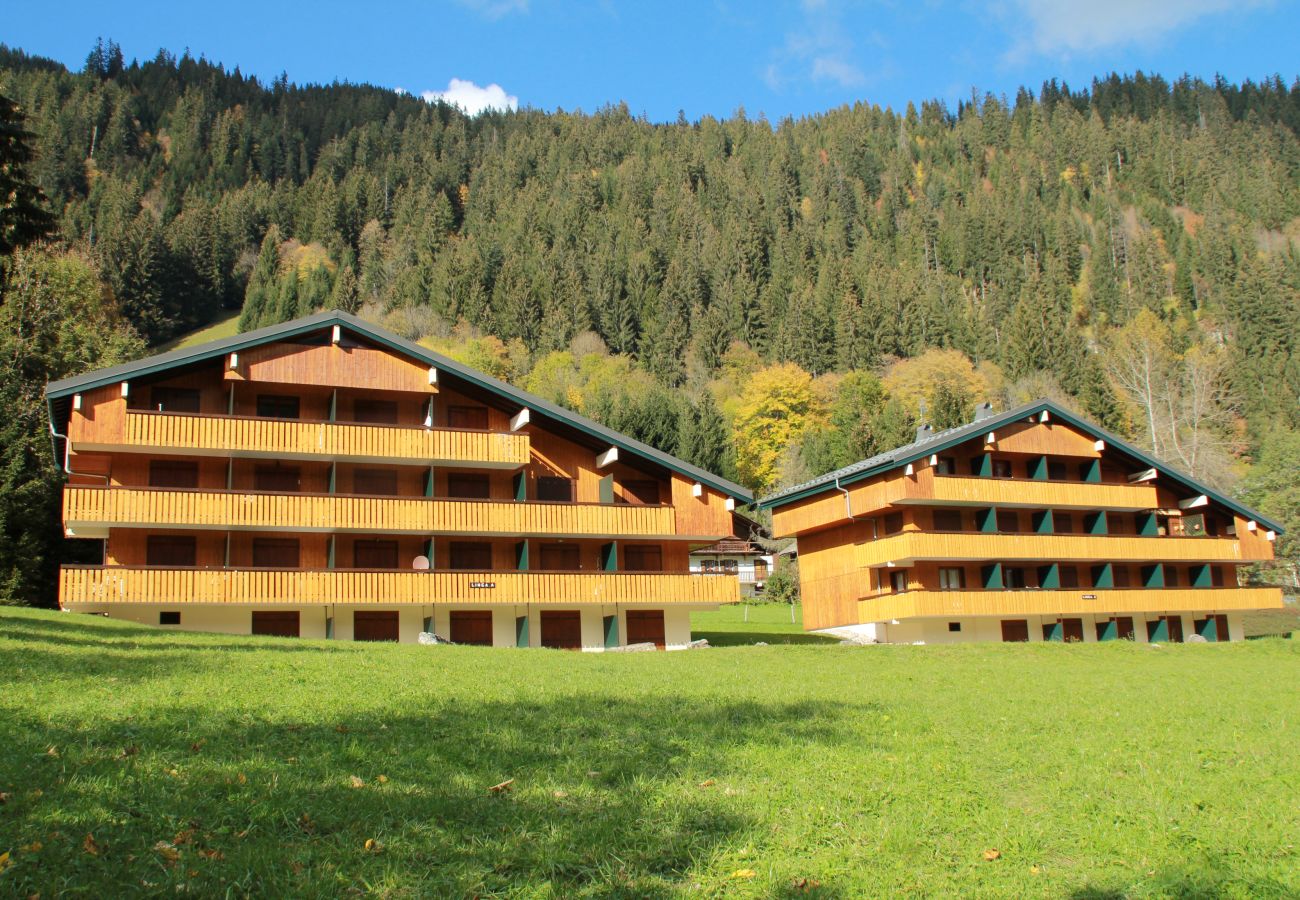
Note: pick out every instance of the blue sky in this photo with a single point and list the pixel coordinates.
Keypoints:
(704, 58)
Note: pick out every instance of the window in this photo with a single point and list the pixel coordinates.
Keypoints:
(1069, 576)
(374, 555)
(173, 473)
(275, 553)
(468, 485)
(954, 626)
(947, 520)
(467, 417)
(760, 570)
(169, 618)
(174, 399)
(553, 489)
(374, 412)
(1062, 523)
(1008, 521)
(1057, 470)
(171, 550)
(378, 482)
(471, 555)
(947, 466)
(277, 478)
(1013, 579)
(649, 558)
(1001, 468)
(893, 523)
(559, 558)
(1171, 576)
(644, 493)
(277, 406)
(898, 580)
(952, 578)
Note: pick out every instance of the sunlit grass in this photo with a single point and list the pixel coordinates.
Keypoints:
(219, 765)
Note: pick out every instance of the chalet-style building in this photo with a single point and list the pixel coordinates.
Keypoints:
(1022, 526)
(328, 479)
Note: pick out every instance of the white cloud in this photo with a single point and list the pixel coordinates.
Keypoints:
(832, 68)
(472, 98)
(818, 50)
(495, 9)
(1068, 26)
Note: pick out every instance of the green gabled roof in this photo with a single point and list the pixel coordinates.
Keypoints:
(943, 440)
(59, 393)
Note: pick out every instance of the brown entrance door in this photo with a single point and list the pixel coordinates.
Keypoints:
(1221, 628)
(281, 623)
(1072, 631)
(562, 629)
(1015, 630)
(646, 626)
(471, 627)
(374, 625)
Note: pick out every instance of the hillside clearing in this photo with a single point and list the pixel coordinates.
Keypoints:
(137, 761)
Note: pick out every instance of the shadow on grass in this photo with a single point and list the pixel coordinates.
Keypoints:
(255, 796)
(1192, 885)
(748, 638)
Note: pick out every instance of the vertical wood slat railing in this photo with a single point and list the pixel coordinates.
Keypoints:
(209, 433)
(124, 584)
(1046, 547)
(911, 604)
(141, 507)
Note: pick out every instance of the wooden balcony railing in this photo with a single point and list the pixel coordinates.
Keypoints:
(92, 585)
(951, 604)
(977, 546)
(89, 509)
(216, 435)
(966, 490)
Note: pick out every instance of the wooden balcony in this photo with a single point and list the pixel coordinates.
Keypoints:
(930, 488)
(90, 511)
(250, 436)
(81, 586)
(953, 604)
(907, 547)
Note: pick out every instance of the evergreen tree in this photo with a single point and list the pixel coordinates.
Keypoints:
(23, 217)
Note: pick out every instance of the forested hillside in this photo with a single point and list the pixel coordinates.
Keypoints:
(767, 299)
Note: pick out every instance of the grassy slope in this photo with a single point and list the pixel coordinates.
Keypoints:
(1096, 771)
(224, 326)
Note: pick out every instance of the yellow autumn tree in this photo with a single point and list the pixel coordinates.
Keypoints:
(920, 379)
(775, 407)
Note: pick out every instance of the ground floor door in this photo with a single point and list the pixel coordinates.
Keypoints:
(1119, 628)
(281, 623)
(646, 626)
(1212, 628)
(1166, 629)
(1015, 630)
(471, 627)
(562, 629)
(374, 625)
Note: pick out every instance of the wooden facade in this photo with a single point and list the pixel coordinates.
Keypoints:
(336, 466)
(1029, 514)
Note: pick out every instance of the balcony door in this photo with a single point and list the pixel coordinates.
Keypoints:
(374, 554)
(276, 553)
(172, 551)
(277, 406)
(562, 629)
(473, 556)
(648, 558)
(277, 479)
(646, 626)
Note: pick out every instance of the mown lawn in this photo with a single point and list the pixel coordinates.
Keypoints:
(138, 762)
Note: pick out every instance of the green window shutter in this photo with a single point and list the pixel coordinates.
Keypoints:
(1108, 631)
(986, 466)
(521, 556)
(334, 471)
(1092, 471)
(428, 625)
(609, 556)
(607, 489)
(334, 405)
(428, 482)
(1043, 521)
(987, 519)
(611, 631)
(1158, 630)
(1202, 577)
(1054, 632)
(1209, 629)
(1095, 523)
(1038, 468)
(1103, 576)
(329, 628)
(428, 551)
(521, 631)
(521, 486)
(1153, 576)
(1049, 577)
(991, 577)
(329, 563)
(1147, 526)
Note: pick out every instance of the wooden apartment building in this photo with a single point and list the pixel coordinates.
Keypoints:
(1022, 526)
(325, 478)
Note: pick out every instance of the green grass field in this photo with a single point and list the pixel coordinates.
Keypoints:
(139, 762)
(225, 325)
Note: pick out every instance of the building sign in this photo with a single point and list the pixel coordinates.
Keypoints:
(1089, 596)
(482, 584)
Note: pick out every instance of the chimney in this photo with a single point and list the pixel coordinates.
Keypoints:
(923, 431)
(983, 411)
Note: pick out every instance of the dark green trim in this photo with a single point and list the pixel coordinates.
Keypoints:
(521, 631)
(329, 562)
(521, 556)
(1049, 576)
(1147, 525)
(1044, 522)
(1202, 576)
(1092, 471)
(986, 465)
(1095, 522)
(1038, 468)
(334, 472)
(991, 577)
(1160, 631)
(611, 631)
(1109, 631)
(521, 486)
(986, 520)
(1103, 576)
(428, 625)
(1054, 631)
(1153, 576)
(607, 489)
(609, 556)
(329, 628)
(428, 482)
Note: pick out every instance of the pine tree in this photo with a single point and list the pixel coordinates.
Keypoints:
(262, 292)
(23, 216)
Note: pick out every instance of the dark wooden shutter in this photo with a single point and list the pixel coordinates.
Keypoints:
(475, 417)
(947, 520)
(173, 473)
(276, 553)
(1015, 630)
(646, 626)
(470, 555)
(171, 550)
(374, 554)
(375, 625)
(559, 558)
(555, 490)
(471, 627)
(278, 479)
(468, 486)
(174, 399)
(562, 629)
(643, 558)
(280, 623)
(277, 406)
(378, 482)
(374, 412)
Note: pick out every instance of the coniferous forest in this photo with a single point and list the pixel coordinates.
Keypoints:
(770, 300)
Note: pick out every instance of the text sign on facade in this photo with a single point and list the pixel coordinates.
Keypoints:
(482, 584)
